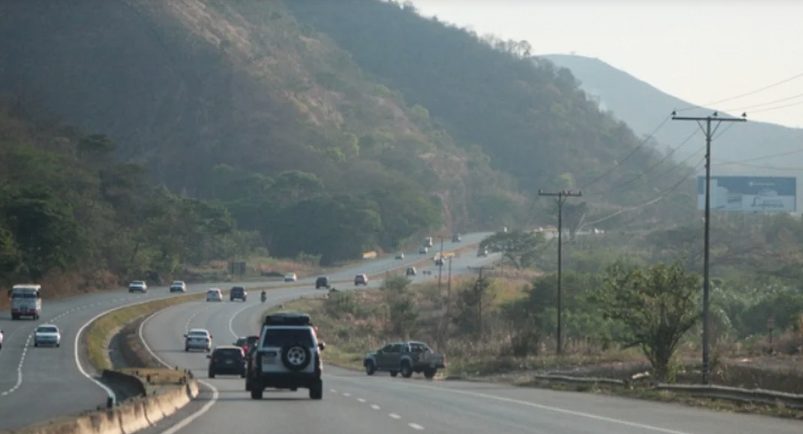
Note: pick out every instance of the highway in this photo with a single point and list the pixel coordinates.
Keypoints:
(357, 404)
(54, 382)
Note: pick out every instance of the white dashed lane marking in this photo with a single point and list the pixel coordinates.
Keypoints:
(395, 416)
(53, 320)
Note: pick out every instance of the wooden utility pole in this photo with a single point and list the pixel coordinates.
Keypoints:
(707, 222)
(561, 195)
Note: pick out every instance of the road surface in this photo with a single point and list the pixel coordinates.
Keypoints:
(50, 381)
(354, 403)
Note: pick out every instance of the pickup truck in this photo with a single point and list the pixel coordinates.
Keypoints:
(405, 357)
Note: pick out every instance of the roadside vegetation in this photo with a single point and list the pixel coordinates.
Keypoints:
(622, 314)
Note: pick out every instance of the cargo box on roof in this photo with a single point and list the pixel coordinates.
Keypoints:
(288, 318)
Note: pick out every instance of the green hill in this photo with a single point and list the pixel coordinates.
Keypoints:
(330, 129)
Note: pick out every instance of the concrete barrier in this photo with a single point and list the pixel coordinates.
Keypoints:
(129, 417)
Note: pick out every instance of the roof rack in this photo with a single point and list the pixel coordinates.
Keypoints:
(288, 318)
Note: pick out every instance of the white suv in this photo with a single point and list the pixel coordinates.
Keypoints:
(214, 294)
(288, 356)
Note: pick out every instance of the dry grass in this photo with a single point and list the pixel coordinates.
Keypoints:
(157, 377)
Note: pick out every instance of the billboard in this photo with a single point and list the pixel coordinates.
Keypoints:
(749, 193)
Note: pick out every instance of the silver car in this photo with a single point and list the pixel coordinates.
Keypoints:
(47, 334)
(198, 339)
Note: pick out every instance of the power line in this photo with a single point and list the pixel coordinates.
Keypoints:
(752, 92)
(661, 161)
(707, 231)
(641, 145)
(768, 109)
(764, 104)
(561, 196)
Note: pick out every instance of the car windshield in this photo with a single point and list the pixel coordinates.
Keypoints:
(19, 295)
(240, 342)
(178, 283)
(47, 329)
(137, 283)
(197, 334)
(282, 337)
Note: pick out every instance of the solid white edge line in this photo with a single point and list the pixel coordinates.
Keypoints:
(189, 419)
(534, 405)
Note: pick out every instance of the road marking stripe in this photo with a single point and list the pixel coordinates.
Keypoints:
(394, 415)
(375, 407)
(415, 426)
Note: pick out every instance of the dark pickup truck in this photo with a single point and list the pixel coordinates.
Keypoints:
(405, 357)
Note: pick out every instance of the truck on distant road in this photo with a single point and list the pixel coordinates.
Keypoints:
(26, 300)
(405, 357)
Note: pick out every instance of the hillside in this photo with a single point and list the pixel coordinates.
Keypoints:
(245, 106)
(383, 128)
(643, 107)
(533, 122)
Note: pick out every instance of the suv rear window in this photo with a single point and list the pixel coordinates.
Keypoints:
(237, 290)
(282, 337)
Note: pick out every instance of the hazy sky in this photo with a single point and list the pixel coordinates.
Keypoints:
(702, 52)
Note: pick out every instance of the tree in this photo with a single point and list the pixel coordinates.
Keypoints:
(657, 306)
(521, 248)
(396, 283)
(472, 307)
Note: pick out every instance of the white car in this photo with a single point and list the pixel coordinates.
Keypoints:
(178, 286)
(47, 334)
(198, 339)
(400, 256)
(2, 336)
(214, 294)
(290, 277)
(138, 286)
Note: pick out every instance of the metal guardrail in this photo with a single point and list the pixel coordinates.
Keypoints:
(750, 396)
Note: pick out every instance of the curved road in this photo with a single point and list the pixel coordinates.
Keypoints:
(356, 404)
(52, 381)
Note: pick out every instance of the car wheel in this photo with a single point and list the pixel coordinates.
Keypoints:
(256, 393)
(394, 374)
(370, 368)
(187, 349)
(211, 374)
(406, 370)
(36, 344)
(430, 373)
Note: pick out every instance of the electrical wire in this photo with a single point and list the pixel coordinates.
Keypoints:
(752, 92)
(658, 163)
(619, 163)
(743, 108)
(768, 109)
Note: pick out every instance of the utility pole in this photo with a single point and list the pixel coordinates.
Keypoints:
(707, 221)
(448, 318)
(440, 264)
(480, 270)
(562, 196)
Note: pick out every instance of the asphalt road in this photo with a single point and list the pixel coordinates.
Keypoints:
(356, 404)
(52, 381)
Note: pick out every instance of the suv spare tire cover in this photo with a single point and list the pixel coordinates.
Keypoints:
(296, 357)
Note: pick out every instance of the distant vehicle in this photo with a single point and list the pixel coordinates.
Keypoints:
(26, 300)
(138, 286)
(247, 343)
(198, 339)
(456, 238)
(2, 337)
(423, 251)
(361, 279)
(428, 242)
(400, 256)
(47, 334)
(290, 277)
(214, 294)
(288, 356)
(482, 253)
(238, 293)
(405, 357)
(439, 261)
(178, 286)
(227, 360)
(410, 272)
(322, 282)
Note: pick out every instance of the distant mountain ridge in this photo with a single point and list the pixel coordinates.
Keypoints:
(643, 107)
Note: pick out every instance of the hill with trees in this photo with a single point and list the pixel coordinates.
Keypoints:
(324, 128)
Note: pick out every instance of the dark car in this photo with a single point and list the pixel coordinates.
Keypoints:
(238, 293)
(227, 360)
(247, 343)
(322, 282)
(361, 279)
